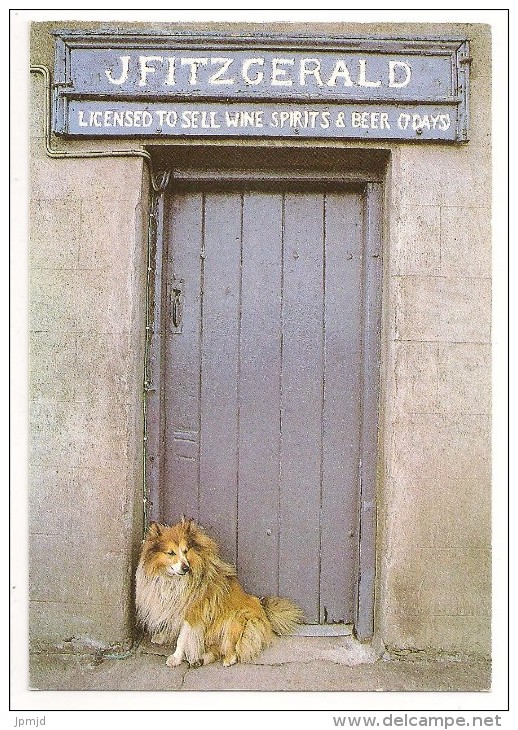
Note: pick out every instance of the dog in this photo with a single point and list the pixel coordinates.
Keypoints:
(186, 593)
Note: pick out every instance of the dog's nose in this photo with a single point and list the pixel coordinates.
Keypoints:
(186, 568)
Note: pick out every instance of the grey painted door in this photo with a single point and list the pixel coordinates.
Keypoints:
(262, 380)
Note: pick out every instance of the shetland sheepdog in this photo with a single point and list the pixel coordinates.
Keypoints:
(186, 593)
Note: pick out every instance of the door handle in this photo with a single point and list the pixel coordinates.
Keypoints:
(176, 307)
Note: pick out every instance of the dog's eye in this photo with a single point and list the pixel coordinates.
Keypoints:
(171, 552)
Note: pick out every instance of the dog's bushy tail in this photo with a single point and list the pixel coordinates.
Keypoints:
(283, 615)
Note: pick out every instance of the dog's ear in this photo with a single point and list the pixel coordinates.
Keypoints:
(154, 530)
(190, 527)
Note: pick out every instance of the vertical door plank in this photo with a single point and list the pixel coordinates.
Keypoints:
(182, 361)
(370, 393)
(342, 395)
(302, 355)
(219, 368)
(259, 414)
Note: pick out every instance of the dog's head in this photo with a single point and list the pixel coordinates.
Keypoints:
(180, 550)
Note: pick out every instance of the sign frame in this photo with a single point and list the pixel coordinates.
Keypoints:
(74, 89)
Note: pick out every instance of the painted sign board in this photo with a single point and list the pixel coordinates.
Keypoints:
(184, 85)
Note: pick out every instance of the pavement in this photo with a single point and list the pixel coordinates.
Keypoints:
(303, 664)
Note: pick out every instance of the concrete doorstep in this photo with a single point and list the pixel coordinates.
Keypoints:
(305, 664)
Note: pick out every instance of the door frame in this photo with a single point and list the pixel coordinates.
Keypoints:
(157, 303)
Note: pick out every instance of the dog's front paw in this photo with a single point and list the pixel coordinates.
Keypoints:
(229, 660)
(195, 664)
(173, 660)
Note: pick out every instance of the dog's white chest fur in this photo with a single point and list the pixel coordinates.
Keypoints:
(160, 604)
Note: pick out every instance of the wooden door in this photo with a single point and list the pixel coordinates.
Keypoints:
(265, 332)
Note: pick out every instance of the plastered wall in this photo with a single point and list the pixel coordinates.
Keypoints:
(435, 514)
(87, 286)
(87, 328)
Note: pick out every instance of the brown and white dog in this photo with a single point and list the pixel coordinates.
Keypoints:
(186, 593)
